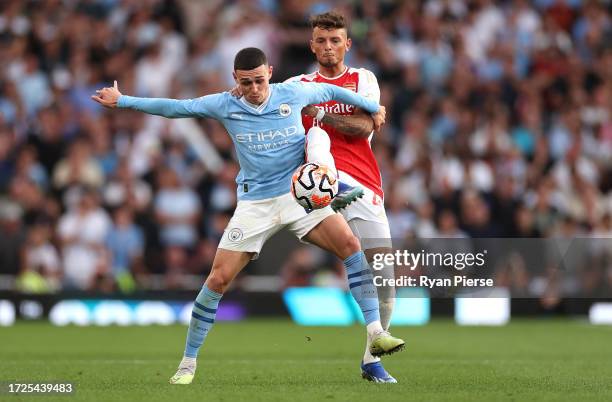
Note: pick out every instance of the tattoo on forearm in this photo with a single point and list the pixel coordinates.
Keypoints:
(359, 125)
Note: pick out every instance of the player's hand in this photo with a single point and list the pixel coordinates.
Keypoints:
(379, 118)
(236, 92)
(108, 96)
(310, 110)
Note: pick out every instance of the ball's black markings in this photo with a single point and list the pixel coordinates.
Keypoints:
(309, 186)
(301, 174)
(328, 190)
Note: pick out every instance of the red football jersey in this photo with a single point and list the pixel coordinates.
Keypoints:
(351, 154)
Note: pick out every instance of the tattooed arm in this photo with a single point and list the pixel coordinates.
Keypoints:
(359, 124)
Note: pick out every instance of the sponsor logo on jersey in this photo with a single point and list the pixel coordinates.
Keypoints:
(270, 135)
(268, 140)
(337, 108)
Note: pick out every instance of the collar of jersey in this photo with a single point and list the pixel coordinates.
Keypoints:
(256, 108)
(346, 68)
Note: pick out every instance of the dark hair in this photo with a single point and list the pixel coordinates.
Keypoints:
(249, 58)
(330, 20)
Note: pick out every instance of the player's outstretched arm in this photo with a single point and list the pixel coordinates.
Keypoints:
(205, 106)
(359, 124)
(317, 93)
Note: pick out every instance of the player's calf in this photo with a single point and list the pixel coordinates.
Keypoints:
(226, 266)
(202, 319)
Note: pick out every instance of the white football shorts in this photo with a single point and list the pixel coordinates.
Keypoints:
(254, 222)
(367, 217)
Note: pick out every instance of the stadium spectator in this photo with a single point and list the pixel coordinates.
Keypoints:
(40, 263)
(82, 231)
(28, 167)
(78, 168)
(177, 210)
(177, 213)
(125, 242)
(123, 189)
(13, 236)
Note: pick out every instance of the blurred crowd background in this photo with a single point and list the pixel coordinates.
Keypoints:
(499, 124)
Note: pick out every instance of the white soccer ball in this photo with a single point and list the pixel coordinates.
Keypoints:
(314, 186)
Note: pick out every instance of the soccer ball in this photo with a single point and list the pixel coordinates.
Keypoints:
(314, 186)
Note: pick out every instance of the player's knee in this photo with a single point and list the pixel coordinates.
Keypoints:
(316, 130)
(318, 137)
(218, 281)
(350, 245)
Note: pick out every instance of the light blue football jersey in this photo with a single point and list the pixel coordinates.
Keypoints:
(269, 138)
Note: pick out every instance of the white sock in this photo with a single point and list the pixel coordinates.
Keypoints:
(386, 310)
(386, 296)
(385, 307)
(367, 356)
(386, 302)
(373, 328)
(318, 148)
(188, 362)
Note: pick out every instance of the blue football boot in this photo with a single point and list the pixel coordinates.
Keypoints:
(346, 195)
(375, 372)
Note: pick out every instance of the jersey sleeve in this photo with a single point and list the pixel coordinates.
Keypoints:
(296, 78)
(314, 93)
(368, 85)
(206, 106)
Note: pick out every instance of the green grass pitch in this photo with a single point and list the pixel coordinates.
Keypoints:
(278, 361)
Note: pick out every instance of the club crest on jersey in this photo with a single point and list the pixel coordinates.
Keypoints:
(351, 86)
(284, 110)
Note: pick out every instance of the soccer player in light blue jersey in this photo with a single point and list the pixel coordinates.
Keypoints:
(266, 128)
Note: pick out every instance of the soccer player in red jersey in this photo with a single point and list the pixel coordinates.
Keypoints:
(348, 131)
